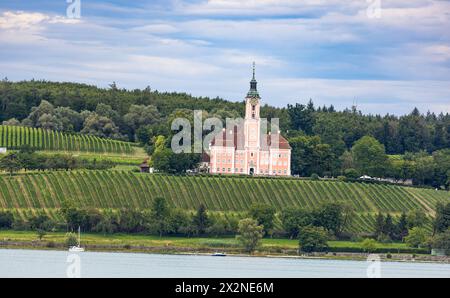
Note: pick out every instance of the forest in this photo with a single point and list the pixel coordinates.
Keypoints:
(324, 141)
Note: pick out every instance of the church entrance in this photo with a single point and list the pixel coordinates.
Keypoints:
(252, 171)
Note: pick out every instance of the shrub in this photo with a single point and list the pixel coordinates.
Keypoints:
(369, 245)
(71, 240)
(342, 178)
(315, 177)
(351, 173)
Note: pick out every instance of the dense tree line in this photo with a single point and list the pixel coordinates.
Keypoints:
(313, 228)
(322, 138)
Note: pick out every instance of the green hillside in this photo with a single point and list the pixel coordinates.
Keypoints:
(13, 137)
(115, 189)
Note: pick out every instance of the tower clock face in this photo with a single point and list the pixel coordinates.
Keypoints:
(254, 101)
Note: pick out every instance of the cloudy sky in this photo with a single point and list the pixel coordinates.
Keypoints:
(387, 55)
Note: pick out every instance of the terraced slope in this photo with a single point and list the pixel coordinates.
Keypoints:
(13, 137)
(114, 189)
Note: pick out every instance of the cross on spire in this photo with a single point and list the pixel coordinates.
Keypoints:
(254, 67)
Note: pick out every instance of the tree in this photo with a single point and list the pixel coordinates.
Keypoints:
(379, 225)
(10, 163)
(161, 160)
(402, 227)
(302, 117)
(12, 122)
(334, 217)
(416, 218)
(101, 126)
(41, 233)
(414, 134)
(41, 224)
(442, 218)
(160, 215)
(50, 122)
(442, 241)
(264, 215)
(44, 108)
(250, 234)
(73, 216)
(71, 240)
(201, 220)
(309, 155)
(417, 237)
(389, 227)
(313, 239)
(140, 115)
(369, 245)
(293, 219)
(6, 219)
(370, 157)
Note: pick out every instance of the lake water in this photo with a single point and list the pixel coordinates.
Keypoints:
(34, 263)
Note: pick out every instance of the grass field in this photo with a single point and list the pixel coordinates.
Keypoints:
(121, 240)
(25, 194)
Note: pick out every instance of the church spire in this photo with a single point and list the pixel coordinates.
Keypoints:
(254, 67)
(253, 93)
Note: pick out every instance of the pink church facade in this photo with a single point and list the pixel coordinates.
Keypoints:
(245, 150)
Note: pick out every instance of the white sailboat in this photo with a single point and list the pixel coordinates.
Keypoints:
(77, 248)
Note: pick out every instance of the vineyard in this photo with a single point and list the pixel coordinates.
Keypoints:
(13, 137)
(28, 193)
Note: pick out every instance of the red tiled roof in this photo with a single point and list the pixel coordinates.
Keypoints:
(222, 140)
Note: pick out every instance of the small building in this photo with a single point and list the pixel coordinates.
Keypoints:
(145, 168)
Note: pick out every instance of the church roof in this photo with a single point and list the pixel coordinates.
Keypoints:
(237, 140)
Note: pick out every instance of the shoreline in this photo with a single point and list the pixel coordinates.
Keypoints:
(190, 251)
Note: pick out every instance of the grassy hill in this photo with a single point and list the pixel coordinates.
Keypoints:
(27, 193)
(13, 137)
(85, 146)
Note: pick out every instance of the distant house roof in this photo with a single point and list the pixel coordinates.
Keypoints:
(144, 164)
(205, 157)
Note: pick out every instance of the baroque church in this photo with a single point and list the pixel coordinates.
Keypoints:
(245, 150)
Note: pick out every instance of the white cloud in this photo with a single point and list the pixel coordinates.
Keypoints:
(212, 57)
(26, 21)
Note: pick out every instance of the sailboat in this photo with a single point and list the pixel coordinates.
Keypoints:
(77, 248)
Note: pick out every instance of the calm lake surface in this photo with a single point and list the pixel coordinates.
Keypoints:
(35, 263)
